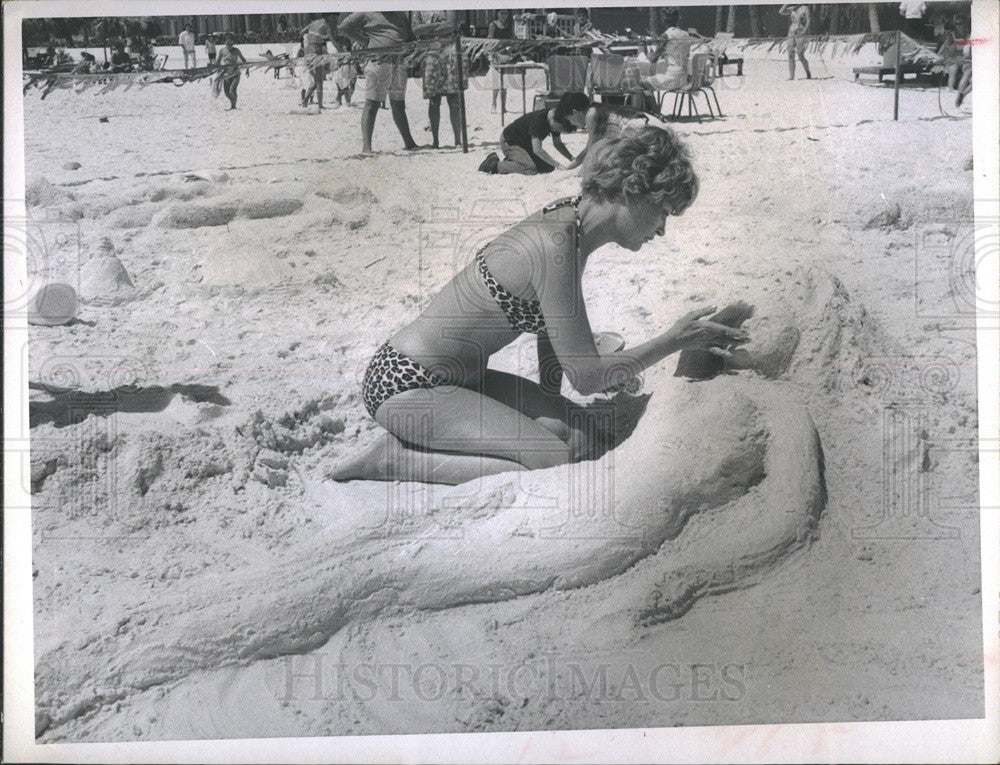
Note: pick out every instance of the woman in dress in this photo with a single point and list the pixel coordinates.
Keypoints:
(449, 417)
(441, 69)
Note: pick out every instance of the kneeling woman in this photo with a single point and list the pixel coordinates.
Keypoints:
(449, 417)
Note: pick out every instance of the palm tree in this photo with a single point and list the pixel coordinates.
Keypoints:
(754, 21)
(719, 10)
(731, 20)
(873, 18)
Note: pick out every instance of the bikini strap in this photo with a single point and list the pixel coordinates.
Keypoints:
(561, 203)
(574, 201)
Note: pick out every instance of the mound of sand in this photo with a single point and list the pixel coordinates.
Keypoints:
(733, 453)
(349, 195)
(195, 215)
(104, 281)
(269, 207)
(133, 216)
(40, 192)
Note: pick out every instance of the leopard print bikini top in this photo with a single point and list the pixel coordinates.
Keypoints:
(524, 315)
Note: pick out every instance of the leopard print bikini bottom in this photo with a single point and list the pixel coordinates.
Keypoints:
(390, 372)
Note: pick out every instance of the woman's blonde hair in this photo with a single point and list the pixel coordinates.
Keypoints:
(646, 161)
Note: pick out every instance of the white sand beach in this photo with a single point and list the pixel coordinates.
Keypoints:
(797, 546)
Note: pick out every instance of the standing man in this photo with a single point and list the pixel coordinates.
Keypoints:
(372, 30)
(229, 80)
(314, 39)
(210, 48)
(186, 40)
(798, 25)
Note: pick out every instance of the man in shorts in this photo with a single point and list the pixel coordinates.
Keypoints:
(186, 40)
(374, 29)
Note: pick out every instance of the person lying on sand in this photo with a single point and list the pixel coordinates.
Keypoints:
(450, 418)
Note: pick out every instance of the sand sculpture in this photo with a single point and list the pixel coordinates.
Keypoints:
(682, 509)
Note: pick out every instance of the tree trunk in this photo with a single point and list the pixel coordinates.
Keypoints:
(719, 10)
(835, 20)
(731, 20)
(653, 28)
(873, 18)
(754, 21)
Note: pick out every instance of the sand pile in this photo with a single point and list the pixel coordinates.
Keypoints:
(759, 470)
(104, 280)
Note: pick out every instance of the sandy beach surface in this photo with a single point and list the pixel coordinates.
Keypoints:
(196, 576)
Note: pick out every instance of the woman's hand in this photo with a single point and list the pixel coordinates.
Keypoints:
(691, 332)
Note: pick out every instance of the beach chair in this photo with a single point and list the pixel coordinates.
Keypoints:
(160, 62)
(564, 74)
(607, 78)
(908, 49)
(700, 79)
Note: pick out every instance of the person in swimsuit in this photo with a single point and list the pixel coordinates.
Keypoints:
(229, 80)
(449, 417)
(798, 25)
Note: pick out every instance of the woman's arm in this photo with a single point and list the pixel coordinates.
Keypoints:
(786, 9)
(566, 320)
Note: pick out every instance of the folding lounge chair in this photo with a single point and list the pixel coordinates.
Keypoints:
(565, 74)
(606, 78)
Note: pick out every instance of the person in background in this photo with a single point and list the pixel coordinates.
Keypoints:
(913, 12)
(186, 40)
(501, 28)
(210, 49)
(441, 69)
(87, 65)
(551, 25)
(229, 80)
(121, 61)
(521, 141)
(582, 24)
(798, 26)
(373, 30)
(314, 38)
(668, 60)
